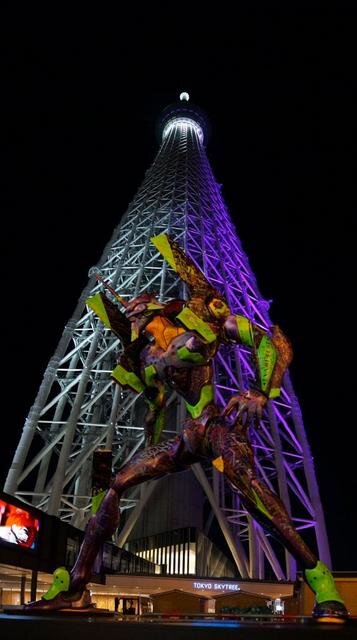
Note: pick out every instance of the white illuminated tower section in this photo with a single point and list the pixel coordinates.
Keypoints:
(78, 409)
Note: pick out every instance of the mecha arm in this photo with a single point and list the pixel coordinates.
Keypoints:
(273, 354)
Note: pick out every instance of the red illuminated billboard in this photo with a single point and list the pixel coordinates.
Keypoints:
(18, 526)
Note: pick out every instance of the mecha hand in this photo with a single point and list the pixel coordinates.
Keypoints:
(249, 406)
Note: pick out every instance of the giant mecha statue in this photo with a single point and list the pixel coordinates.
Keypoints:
(170, 346)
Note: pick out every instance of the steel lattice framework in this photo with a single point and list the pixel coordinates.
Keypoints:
(79, 409)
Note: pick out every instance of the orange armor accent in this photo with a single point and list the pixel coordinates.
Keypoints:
(163, 331)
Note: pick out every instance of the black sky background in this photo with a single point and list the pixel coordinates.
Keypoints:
(79, 105)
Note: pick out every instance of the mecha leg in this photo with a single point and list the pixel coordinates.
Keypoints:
(264, 505)
(153, 462)
(267, 509)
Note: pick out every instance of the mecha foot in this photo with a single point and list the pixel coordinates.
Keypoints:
(329, 605)
(330, 611)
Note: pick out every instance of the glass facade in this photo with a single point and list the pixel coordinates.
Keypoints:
(116, 560)
(185, 551)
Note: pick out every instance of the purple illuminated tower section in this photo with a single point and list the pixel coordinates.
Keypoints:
(79, 410)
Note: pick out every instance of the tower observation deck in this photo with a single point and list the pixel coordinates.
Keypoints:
(78, 409)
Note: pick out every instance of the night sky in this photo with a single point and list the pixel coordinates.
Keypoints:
(79, 106)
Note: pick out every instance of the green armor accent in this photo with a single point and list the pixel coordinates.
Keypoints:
(134, 333)
(128, 378)
(266, 355)
(206, 396)
(245, 331)
(61, 581)
(149, 374)
(260, 506)
(190, 356)
(96, 304)
(151, 306)
(162, 244)
(321, 581)
(192, 321)
(159, 425)
(274, 392)
(97, 500)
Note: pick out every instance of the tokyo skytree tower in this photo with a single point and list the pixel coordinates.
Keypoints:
(79, 409)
